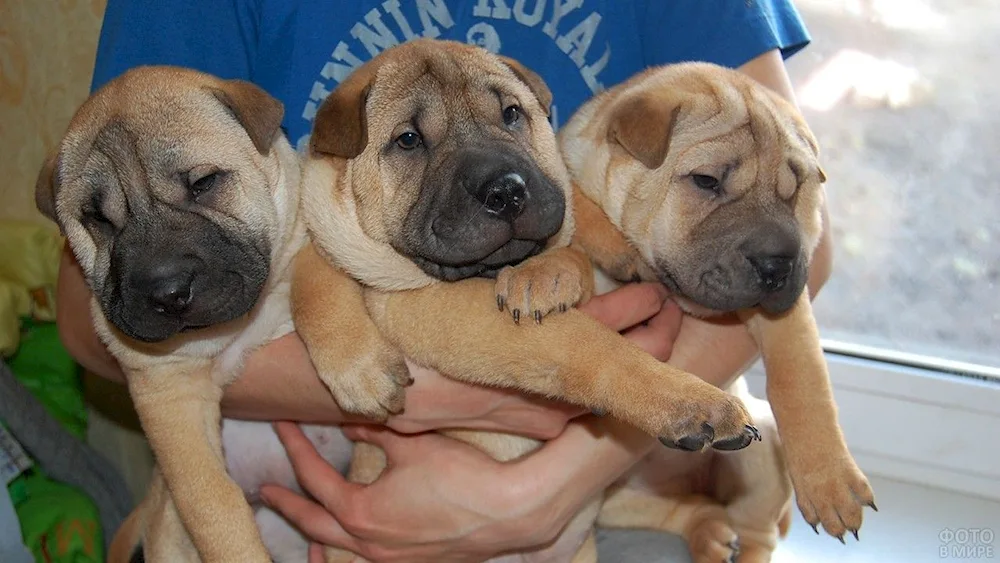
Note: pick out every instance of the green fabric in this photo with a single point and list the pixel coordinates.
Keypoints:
(59, 523)
(43, 365)
(29, 269)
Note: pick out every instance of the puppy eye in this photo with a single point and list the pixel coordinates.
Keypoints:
(705, 182)
(198, 185)
(409, 141)
(511, 115)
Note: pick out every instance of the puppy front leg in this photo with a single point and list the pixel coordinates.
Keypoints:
(598, 237)
(178, 406)
(829, 487)
(456, 329)
(365, 374)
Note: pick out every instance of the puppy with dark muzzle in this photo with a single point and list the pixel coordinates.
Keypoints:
(698, 177)
(432, 169)
(485, 221)
(179, 198)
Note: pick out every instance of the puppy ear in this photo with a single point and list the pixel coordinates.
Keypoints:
(805, 133)
(643, 126)
(46, 186)
(256, 110)
(340, 127)
(538, 86)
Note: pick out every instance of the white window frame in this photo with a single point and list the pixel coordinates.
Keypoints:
(917, 419)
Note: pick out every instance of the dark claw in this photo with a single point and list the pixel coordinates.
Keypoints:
(735, 546)
(500, 302)
(517, 316)
(739, 442)
(872, 505)
(815, 527)
(856, 538)
(538, 317)
(687, 443)
(562, 307)
(841, 538)
(754, 431)
(598, 412)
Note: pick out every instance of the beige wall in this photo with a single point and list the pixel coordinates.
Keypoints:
(46, 58)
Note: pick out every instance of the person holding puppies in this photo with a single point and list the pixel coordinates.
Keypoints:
(467, 507)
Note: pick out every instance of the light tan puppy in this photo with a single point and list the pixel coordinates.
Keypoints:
(695, 176)
(435, 163)
(178, 195)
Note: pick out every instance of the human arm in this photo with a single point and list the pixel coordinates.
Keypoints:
(453, 517)
(279, 381)
(393, 521)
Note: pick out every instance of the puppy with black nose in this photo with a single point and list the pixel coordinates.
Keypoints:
(696, 176)
(177, 271)
(489, 204)
(179, 198)
(436, 221)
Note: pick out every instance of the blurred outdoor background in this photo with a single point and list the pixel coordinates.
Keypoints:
(904, 97)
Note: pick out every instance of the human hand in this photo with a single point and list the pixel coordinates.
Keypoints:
(466, 506)
(438, 500)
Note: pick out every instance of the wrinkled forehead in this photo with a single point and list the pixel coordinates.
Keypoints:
(457, 80)
(776, 123)
(163, 127)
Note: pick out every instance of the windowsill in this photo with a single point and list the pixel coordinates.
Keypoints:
(907, 529)
(916, 425)
(925, 440)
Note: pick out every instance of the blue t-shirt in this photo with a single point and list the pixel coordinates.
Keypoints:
(300, 50)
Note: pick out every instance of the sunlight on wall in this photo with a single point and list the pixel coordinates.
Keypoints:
(916, 15)
(866, 79)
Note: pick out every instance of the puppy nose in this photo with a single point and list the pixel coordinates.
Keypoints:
(172, 295)
(772, 270)
(504, 196)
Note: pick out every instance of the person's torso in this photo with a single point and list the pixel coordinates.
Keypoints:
(578, 46)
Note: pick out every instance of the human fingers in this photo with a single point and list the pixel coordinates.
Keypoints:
(626, 306)
(657, 336)
(314, 474)
(312, 519)
(316, 553)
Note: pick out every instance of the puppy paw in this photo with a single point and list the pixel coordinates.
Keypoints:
(833, 494)
(374, 388)
(538, 287)
(714, 541)
(752, 552)
(707, 417)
